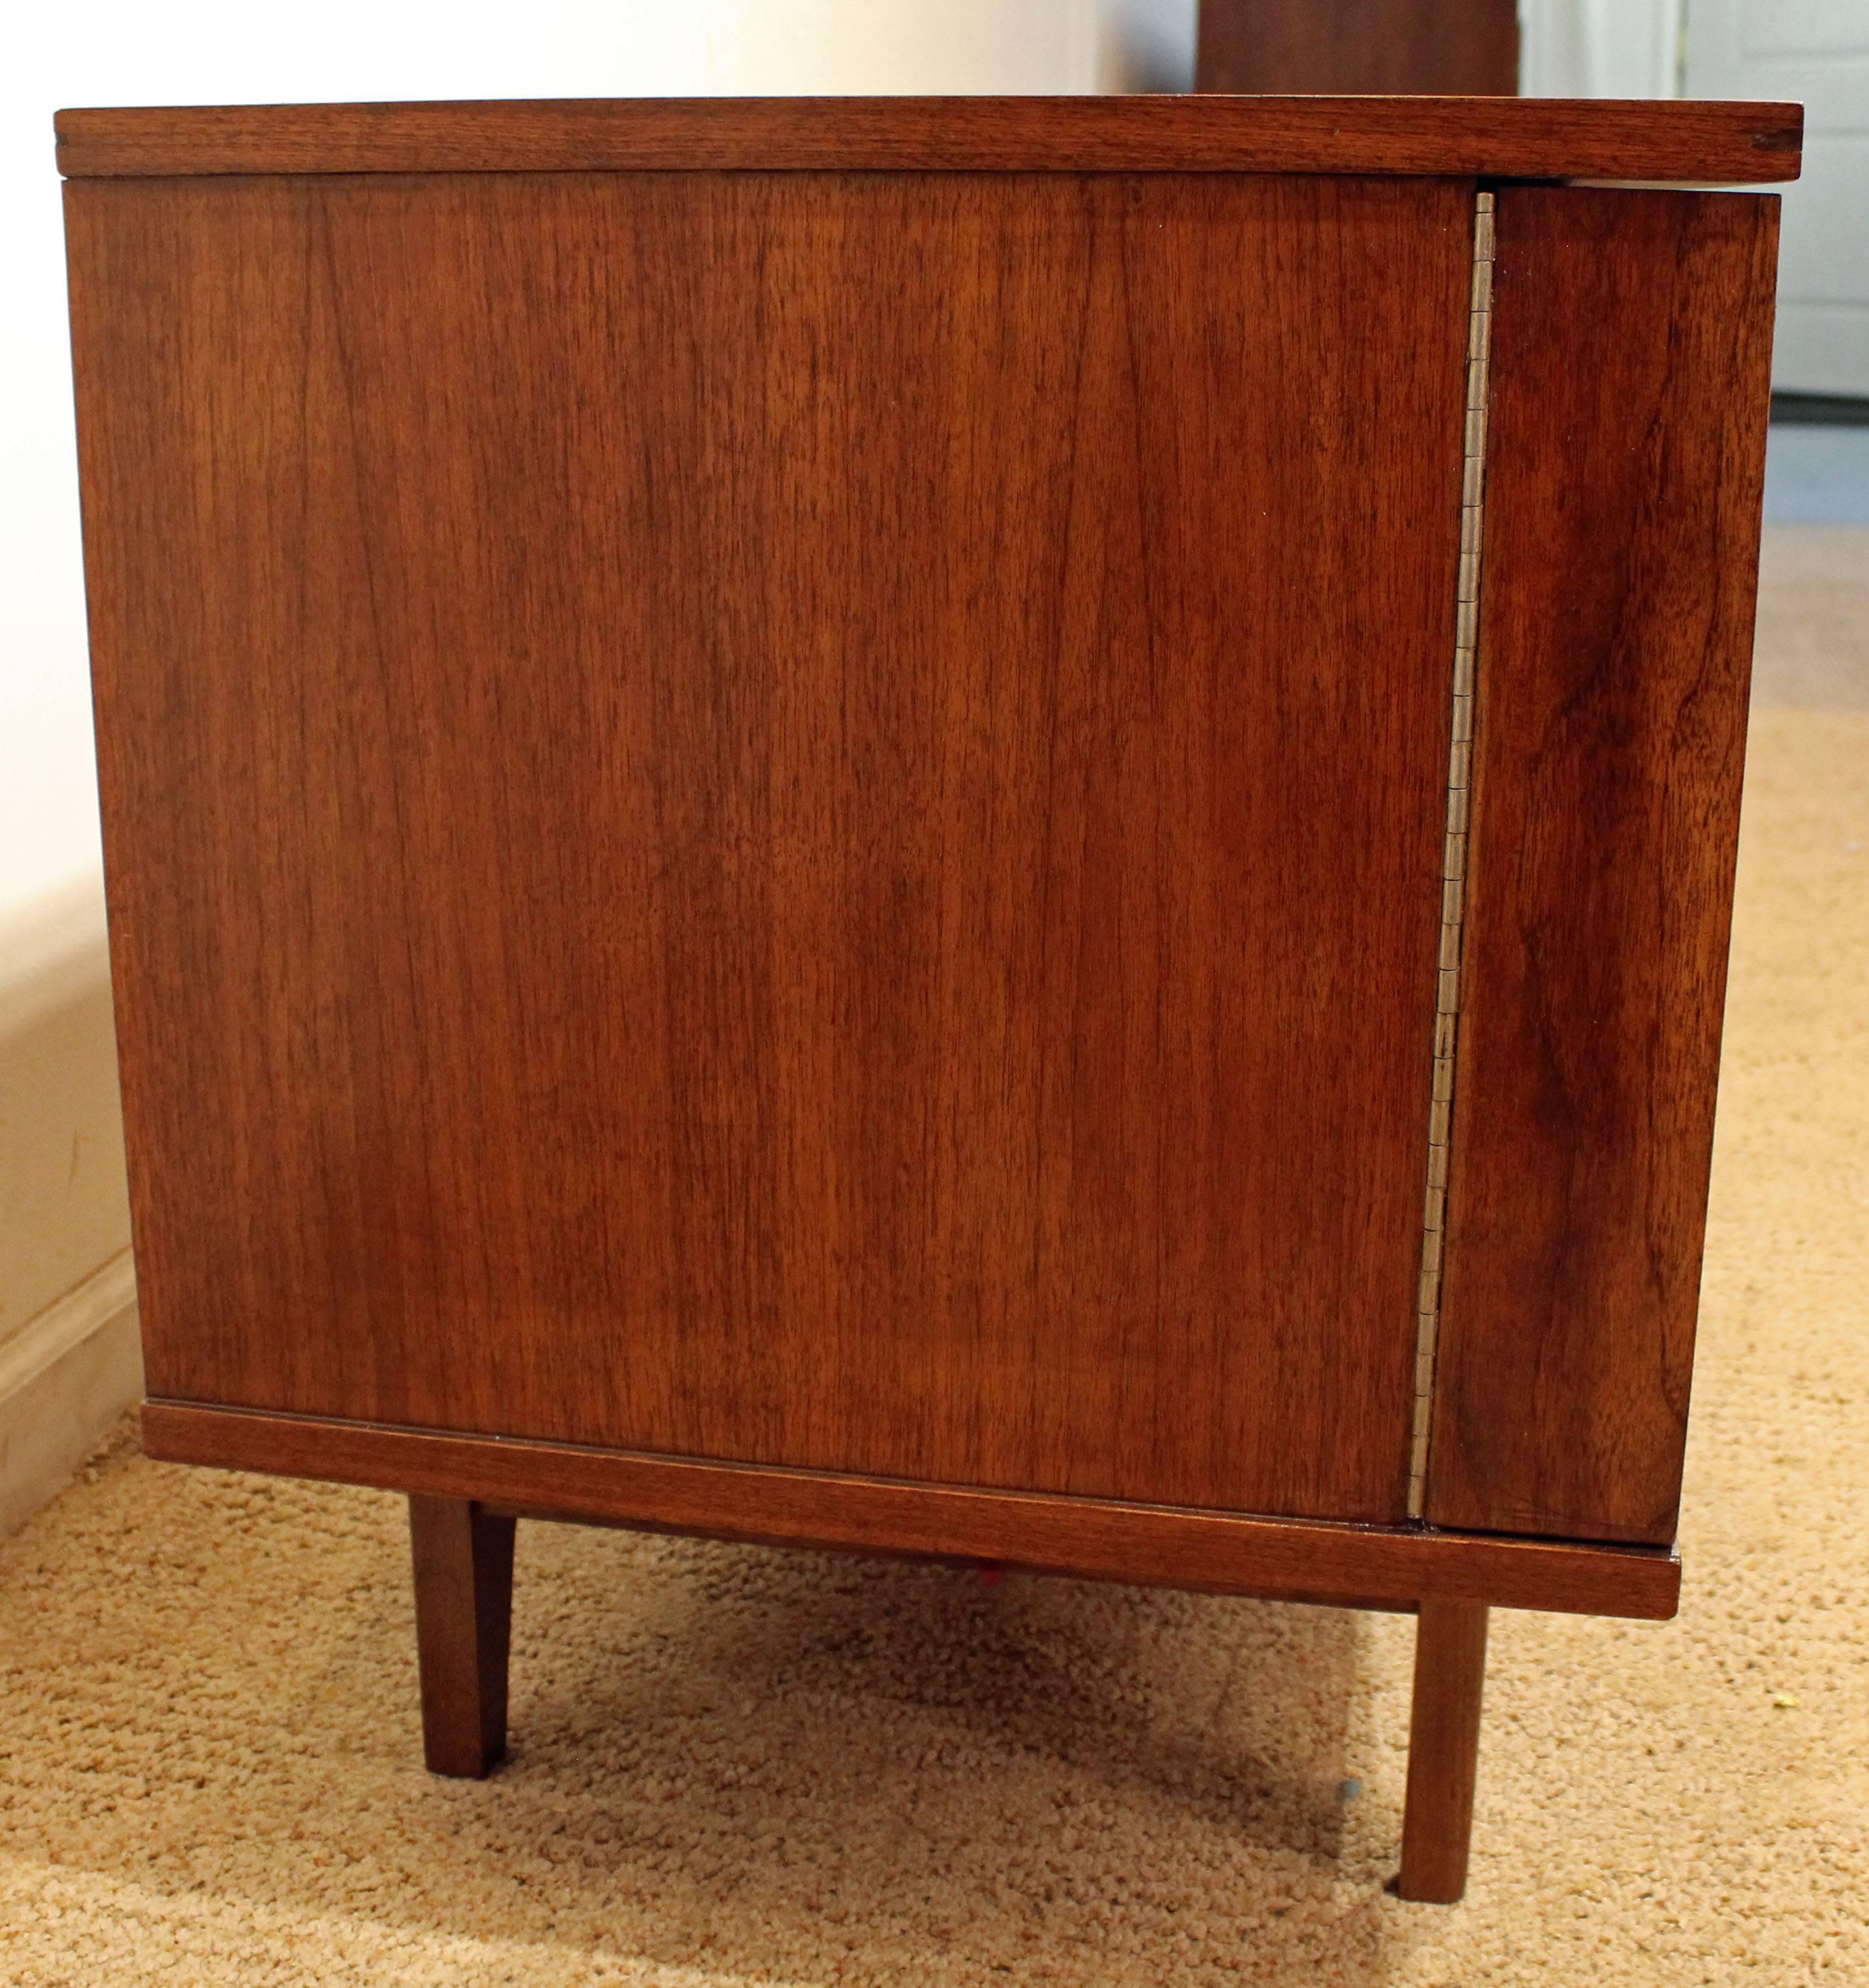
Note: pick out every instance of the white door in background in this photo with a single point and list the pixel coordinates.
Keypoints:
(1599, 48)
(1815, 51)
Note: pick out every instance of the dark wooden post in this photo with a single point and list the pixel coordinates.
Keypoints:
(463, 1564)
(1450, 1675)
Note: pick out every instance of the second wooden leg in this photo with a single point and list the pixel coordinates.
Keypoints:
(1450, 1673)
(463, 1563)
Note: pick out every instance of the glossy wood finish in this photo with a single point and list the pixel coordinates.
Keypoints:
(1450, 1677)
(1430, 48)
(1544, 138)
(462, 1562)
(1630, 355)
(1101, 1540)
(788, 820)
(655, 1529)
(774, 829)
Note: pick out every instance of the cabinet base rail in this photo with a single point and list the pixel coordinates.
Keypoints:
(462, 1554)
(466, 1494)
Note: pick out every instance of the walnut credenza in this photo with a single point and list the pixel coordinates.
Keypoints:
(997, 829)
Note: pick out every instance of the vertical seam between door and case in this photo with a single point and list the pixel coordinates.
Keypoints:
(1454, 856)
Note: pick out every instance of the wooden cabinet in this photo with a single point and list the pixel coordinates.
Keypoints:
(998, 829)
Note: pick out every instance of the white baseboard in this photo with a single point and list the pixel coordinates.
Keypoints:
(64, 1377)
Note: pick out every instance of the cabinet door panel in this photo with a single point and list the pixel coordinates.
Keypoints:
(1632, 337)
(791, 817)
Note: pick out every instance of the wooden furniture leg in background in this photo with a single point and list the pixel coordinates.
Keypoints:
(463, 1563)
(1450, 1675)
(1382, 48)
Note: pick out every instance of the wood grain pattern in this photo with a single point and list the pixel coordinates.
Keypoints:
(1450, 1681)
(1630, 358)
(1544, 138)
(786, 819)
(1179, 1548)
(461, 1560)
(1427, 48)
(747, 1533)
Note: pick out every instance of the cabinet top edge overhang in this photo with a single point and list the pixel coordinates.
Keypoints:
(1541, 138)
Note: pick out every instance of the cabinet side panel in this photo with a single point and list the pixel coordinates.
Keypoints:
(793, 818)
(1632, 337)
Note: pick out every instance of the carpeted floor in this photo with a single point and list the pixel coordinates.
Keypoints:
(737, 1766)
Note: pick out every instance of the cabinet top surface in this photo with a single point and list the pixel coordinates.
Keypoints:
(1734, 143)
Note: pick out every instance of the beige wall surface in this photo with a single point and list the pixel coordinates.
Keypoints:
(69, 1358)
(63, 1209)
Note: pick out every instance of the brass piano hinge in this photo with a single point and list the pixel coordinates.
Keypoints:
(1454, 862)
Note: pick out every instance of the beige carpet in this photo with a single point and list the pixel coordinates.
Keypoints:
(735, 1766)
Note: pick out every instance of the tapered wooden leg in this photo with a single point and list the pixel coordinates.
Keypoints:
(1450, 1673)
(463, 1560)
